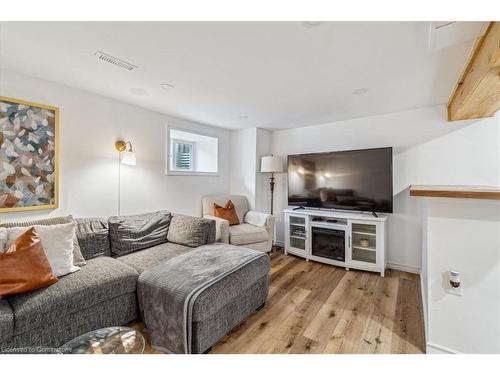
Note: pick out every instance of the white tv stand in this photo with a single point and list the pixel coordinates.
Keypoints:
(303, 224)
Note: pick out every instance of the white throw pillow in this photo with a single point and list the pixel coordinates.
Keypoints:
(57, 241)
(256, 218)
(3, 239)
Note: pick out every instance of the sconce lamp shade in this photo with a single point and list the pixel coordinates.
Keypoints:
(129, 158)
(271, 164)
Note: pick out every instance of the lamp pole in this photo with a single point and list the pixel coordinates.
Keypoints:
(271, 184)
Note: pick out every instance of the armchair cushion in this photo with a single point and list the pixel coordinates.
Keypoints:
(246, 233)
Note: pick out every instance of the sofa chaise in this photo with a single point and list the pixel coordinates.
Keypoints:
(104, 291)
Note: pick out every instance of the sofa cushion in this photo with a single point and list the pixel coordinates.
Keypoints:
(191, 231)
(143, 259)
(6, 321)
(92, 235)
(103, 278)
(136, 232)
(246, 233)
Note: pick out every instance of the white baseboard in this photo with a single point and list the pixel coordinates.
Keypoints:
(404, 268)
(433, 348)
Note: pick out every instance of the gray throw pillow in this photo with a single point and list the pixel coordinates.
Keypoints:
(78, 259)
(92, 234)
(136, 232)
(191, 231)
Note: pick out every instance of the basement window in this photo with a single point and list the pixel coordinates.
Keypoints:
(191, 153)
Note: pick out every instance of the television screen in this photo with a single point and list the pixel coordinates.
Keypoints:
(357, 180)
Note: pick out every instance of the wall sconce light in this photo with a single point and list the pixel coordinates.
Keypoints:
(128, 156)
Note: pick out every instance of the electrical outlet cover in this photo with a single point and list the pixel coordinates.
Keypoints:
(455, 291)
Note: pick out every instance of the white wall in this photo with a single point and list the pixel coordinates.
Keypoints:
(247, 148)
(463, 235)
(243, 165)
(89, 126)
(469, 156)
(427, 150)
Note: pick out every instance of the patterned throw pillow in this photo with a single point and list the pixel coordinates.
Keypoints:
(228, 213)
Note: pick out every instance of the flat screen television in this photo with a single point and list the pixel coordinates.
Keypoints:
(356, 180)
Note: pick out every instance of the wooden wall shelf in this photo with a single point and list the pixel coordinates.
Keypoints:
(455, 191)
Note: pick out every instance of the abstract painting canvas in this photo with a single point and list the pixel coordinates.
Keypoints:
(28, 155)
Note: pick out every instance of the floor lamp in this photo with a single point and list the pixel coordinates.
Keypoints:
(271, 164)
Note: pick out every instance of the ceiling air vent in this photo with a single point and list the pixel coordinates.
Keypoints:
(115, 61)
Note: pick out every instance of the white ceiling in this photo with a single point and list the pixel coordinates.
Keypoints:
(249, 74)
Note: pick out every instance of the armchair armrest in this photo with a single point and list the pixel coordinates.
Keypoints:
(262, 220)
(221, 228)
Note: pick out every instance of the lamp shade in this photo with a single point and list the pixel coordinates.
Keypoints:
(271, 164)
(129, 158)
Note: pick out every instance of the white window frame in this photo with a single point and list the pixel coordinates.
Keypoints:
(169, 153)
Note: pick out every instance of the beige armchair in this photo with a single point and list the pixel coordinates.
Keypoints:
(256, 230)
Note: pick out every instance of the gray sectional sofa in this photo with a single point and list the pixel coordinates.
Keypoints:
(104, 291)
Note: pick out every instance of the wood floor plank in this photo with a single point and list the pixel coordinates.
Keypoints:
(354, 316)
(408, 331)
(278, 262)
(323, 324)
(327, 279)
(260, 331)
(378, 332)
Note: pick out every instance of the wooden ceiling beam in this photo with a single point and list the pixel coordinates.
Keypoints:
(477, 94)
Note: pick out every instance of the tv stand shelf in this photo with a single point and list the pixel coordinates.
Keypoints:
(361, 236)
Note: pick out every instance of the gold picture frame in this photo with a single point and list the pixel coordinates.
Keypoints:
(24, 173)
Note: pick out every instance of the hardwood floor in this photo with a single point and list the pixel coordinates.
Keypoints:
(317, 308)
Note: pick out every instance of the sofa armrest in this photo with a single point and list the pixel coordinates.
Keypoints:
(221, 228)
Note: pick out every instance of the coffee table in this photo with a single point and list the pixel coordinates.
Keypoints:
(110, 340)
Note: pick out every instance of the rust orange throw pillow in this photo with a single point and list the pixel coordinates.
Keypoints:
(24, 266)
(228, 213)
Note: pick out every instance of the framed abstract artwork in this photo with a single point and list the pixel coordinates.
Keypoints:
(28, 156)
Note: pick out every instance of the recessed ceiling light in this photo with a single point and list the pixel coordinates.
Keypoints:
(310, 24)
(242, 117)
(167, 86)
(137, 91)
(360, 91)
